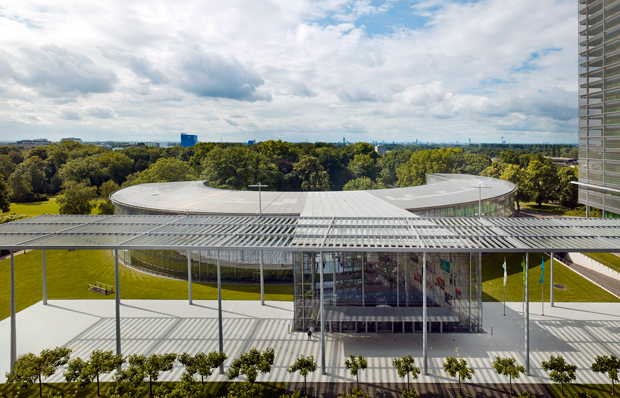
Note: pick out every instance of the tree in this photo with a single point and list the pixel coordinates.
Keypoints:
(29, 368)
(76, 198)
(494, 170)
(559, 370)
(243, 390)
(202, 363)
(405, 366)
(334, 162)
(516, 175)
(166, 170)
(201, 152)
(355, 365)
(540, 182)
(152, 366)
(7, 167)
(363, 166)
(362, 183)
(414, 171)
(568, 193)
(186, 388)
(312, 175)
(19, 185)
(107, 188)
(36, 169)
(237, 167)
(455, 367)
(509, 157)
(470, 163)
(99, 363)
(87, 168)
(279, 149)
(607, 364)
(250, 363)
(304, 366)
(5, 202)
(118, 165)
(508, 367)
(390, 162)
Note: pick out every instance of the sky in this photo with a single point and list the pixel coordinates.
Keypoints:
(296, 70)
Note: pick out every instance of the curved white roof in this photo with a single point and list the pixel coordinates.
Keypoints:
(193, 197)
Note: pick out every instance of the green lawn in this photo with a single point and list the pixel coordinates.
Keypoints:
(558, 210)
(69, 273)
(608, 259)
(48, 207)
(212, 389)
(578, 289)
(580, 390)
(35, 208)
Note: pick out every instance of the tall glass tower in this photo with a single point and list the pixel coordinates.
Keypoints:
(599, 105)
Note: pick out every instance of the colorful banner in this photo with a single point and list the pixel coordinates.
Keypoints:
(505, 273)
(523, 265)
(417, 277)
(448, 298)
(445, 265)
(542, 271)
(440, 283)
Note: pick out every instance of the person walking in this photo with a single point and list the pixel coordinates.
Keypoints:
(310, 331)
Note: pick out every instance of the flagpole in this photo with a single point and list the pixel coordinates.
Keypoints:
(523, 293)
(504, 300)
(542, 285)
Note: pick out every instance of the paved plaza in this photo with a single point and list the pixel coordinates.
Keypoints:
(578, 331)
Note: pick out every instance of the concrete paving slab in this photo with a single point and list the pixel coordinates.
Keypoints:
(578, 331)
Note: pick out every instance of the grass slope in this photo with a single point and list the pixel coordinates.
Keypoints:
(48, 207)
(578, 289)
(212, 389)
(69, 273)
(608, 259)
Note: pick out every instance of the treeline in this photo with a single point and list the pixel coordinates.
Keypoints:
(82, 172)
(30, 369)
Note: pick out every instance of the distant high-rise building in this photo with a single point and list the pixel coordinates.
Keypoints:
(251, 142)
(343, 141)
(599, 99)
(71, 139)
(188, 140)
(380, 149)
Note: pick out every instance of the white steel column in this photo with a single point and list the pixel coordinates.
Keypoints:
(322, 319)
(424, 329)
(44, 280)
(262, 279)
(527, 313)
(219, 309)
(551, 282)
(118, 305)
(189, 276)
(13, 324)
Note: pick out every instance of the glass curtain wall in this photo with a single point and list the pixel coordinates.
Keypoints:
(237, 266)
(386, 280)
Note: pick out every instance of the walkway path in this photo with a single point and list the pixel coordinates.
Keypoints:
(578, 331)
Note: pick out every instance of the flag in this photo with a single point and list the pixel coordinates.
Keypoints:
(542, 271)
(505, 274)
(445, 265)
(523, 265)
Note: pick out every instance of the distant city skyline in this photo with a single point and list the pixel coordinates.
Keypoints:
(296, 70)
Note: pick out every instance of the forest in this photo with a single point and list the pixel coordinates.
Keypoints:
(78, 173)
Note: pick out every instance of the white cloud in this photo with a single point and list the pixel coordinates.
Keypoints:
(295, 69)
(101, 112)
